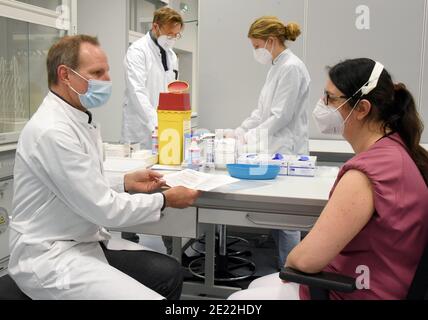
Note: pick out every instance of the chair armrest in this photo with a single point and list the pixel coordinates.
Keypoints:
(325, 280)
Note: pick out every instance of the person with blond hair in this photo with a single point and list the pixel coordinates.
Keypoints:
(150, 65)
(282, 107)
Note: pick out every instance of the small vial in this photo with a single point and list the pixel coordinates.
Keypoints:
(209, 164)
(195, 154)
(155, 142)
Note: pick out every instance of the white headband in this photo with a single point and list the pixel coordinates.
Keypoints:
(374, 79)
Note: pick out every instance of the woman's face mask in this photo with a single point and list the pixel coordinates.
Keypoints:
(98, 92)
(329, 120)
(263, 55)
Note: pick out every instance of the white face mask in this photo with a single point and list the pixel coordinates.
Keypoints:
(329, 120)
(166, 43)
(262, 55)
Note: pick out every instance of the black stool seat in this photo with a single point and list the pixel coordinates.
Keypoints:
(9, 290)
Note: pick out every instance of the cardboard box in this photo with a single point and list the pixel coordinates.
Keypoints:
(304, 166)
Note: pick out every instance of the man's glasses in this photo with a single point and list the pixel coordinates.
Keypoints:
(177, 37)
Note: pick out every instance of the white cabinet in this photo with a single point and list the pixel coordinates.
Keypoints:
(175, 223)
(6, 191)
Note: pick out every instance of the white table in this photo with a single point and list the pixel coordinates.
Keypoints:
(292, 203)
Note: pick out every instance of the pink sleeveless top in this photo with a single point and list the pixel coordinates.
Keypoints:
(392, 242)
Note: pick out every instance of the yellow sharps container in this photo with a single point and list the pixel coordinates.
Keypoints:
(174, 122)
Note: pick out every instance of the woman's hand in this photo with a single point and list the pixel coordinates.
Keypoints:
(143, 181)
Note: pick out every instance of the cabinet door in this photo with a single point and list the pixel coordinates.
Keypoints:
(6, 189)
(230, 80)
(394, 38)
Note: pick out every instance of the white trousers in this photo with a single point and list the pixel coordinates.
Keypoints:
(269, 287)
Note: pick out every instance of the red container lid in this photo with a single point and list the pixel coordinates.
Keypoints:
(174, 102)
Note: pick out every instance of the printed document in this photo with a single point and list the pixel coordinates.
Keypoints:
(197, 180)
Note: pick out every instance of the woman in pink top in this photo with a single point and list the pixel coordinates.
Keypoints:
(375, 225)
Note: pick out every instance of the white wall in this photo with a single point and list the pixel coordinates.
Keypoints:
(187, 47)
(108, 19)
(230, 80)
(394, 38)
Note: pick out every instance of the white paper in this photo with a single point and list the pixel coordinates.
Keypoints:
(197, 180)
(159, 167)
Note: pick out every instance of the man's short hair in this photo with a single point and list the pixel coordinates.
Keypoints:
(66, 52)
(165, 16)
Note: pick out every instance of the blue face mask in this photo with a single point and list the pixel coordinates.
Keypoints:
(98, 93)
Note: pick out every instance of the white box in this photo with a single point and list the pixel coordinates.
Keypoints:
(302, 166)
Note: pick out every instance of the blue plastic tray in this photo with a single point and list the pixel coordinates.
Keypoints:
(253, 172)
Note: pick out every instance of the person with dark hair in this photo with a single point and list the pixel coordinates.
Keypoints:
(63, 201)
(377, 217)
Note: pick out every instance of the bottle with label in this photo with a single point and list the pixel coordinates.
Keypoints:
(195, 154)
(209, 163)
(187, 142)
(155, 142)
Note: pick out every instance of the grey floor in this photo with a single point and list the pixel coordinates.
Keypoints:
(261, 247)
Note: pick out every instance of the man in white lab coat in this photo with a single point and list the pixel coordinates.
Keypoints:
(63, 201)
(150, 65)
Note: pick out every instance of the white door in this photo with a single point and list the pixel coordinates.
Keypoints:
(6, 191)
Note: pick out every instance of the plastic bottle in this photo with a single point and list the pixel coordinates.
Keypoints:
(195, 154)
(155, 142)
(186, 147)
(209, 153)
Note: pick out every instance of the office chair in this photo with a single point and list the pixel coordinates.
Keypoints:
(229, 266)
(322, 283)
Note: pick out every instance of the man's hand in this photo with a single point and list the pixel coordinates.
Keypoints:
(180, 197)
(144, 181)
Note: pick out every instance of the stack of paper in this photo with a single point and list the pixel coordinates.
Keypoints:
(197, 180)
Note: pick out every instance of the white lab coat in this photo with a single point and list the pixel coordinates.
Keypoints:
(145, 80)
(62, 202)
(282, 108)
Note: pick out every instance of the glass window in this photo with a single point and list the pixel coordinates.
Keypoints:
(41, 38)
(141, 14)
(14, 89)
(47, 4)
(23, 75)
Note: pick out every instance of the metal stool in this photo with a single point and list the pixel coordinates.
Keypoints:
(230, 241)
(228, 266)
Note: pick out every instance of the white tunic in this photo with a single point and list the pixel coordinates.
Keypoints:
(62, 202)
(145, 79)
(282, 109)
